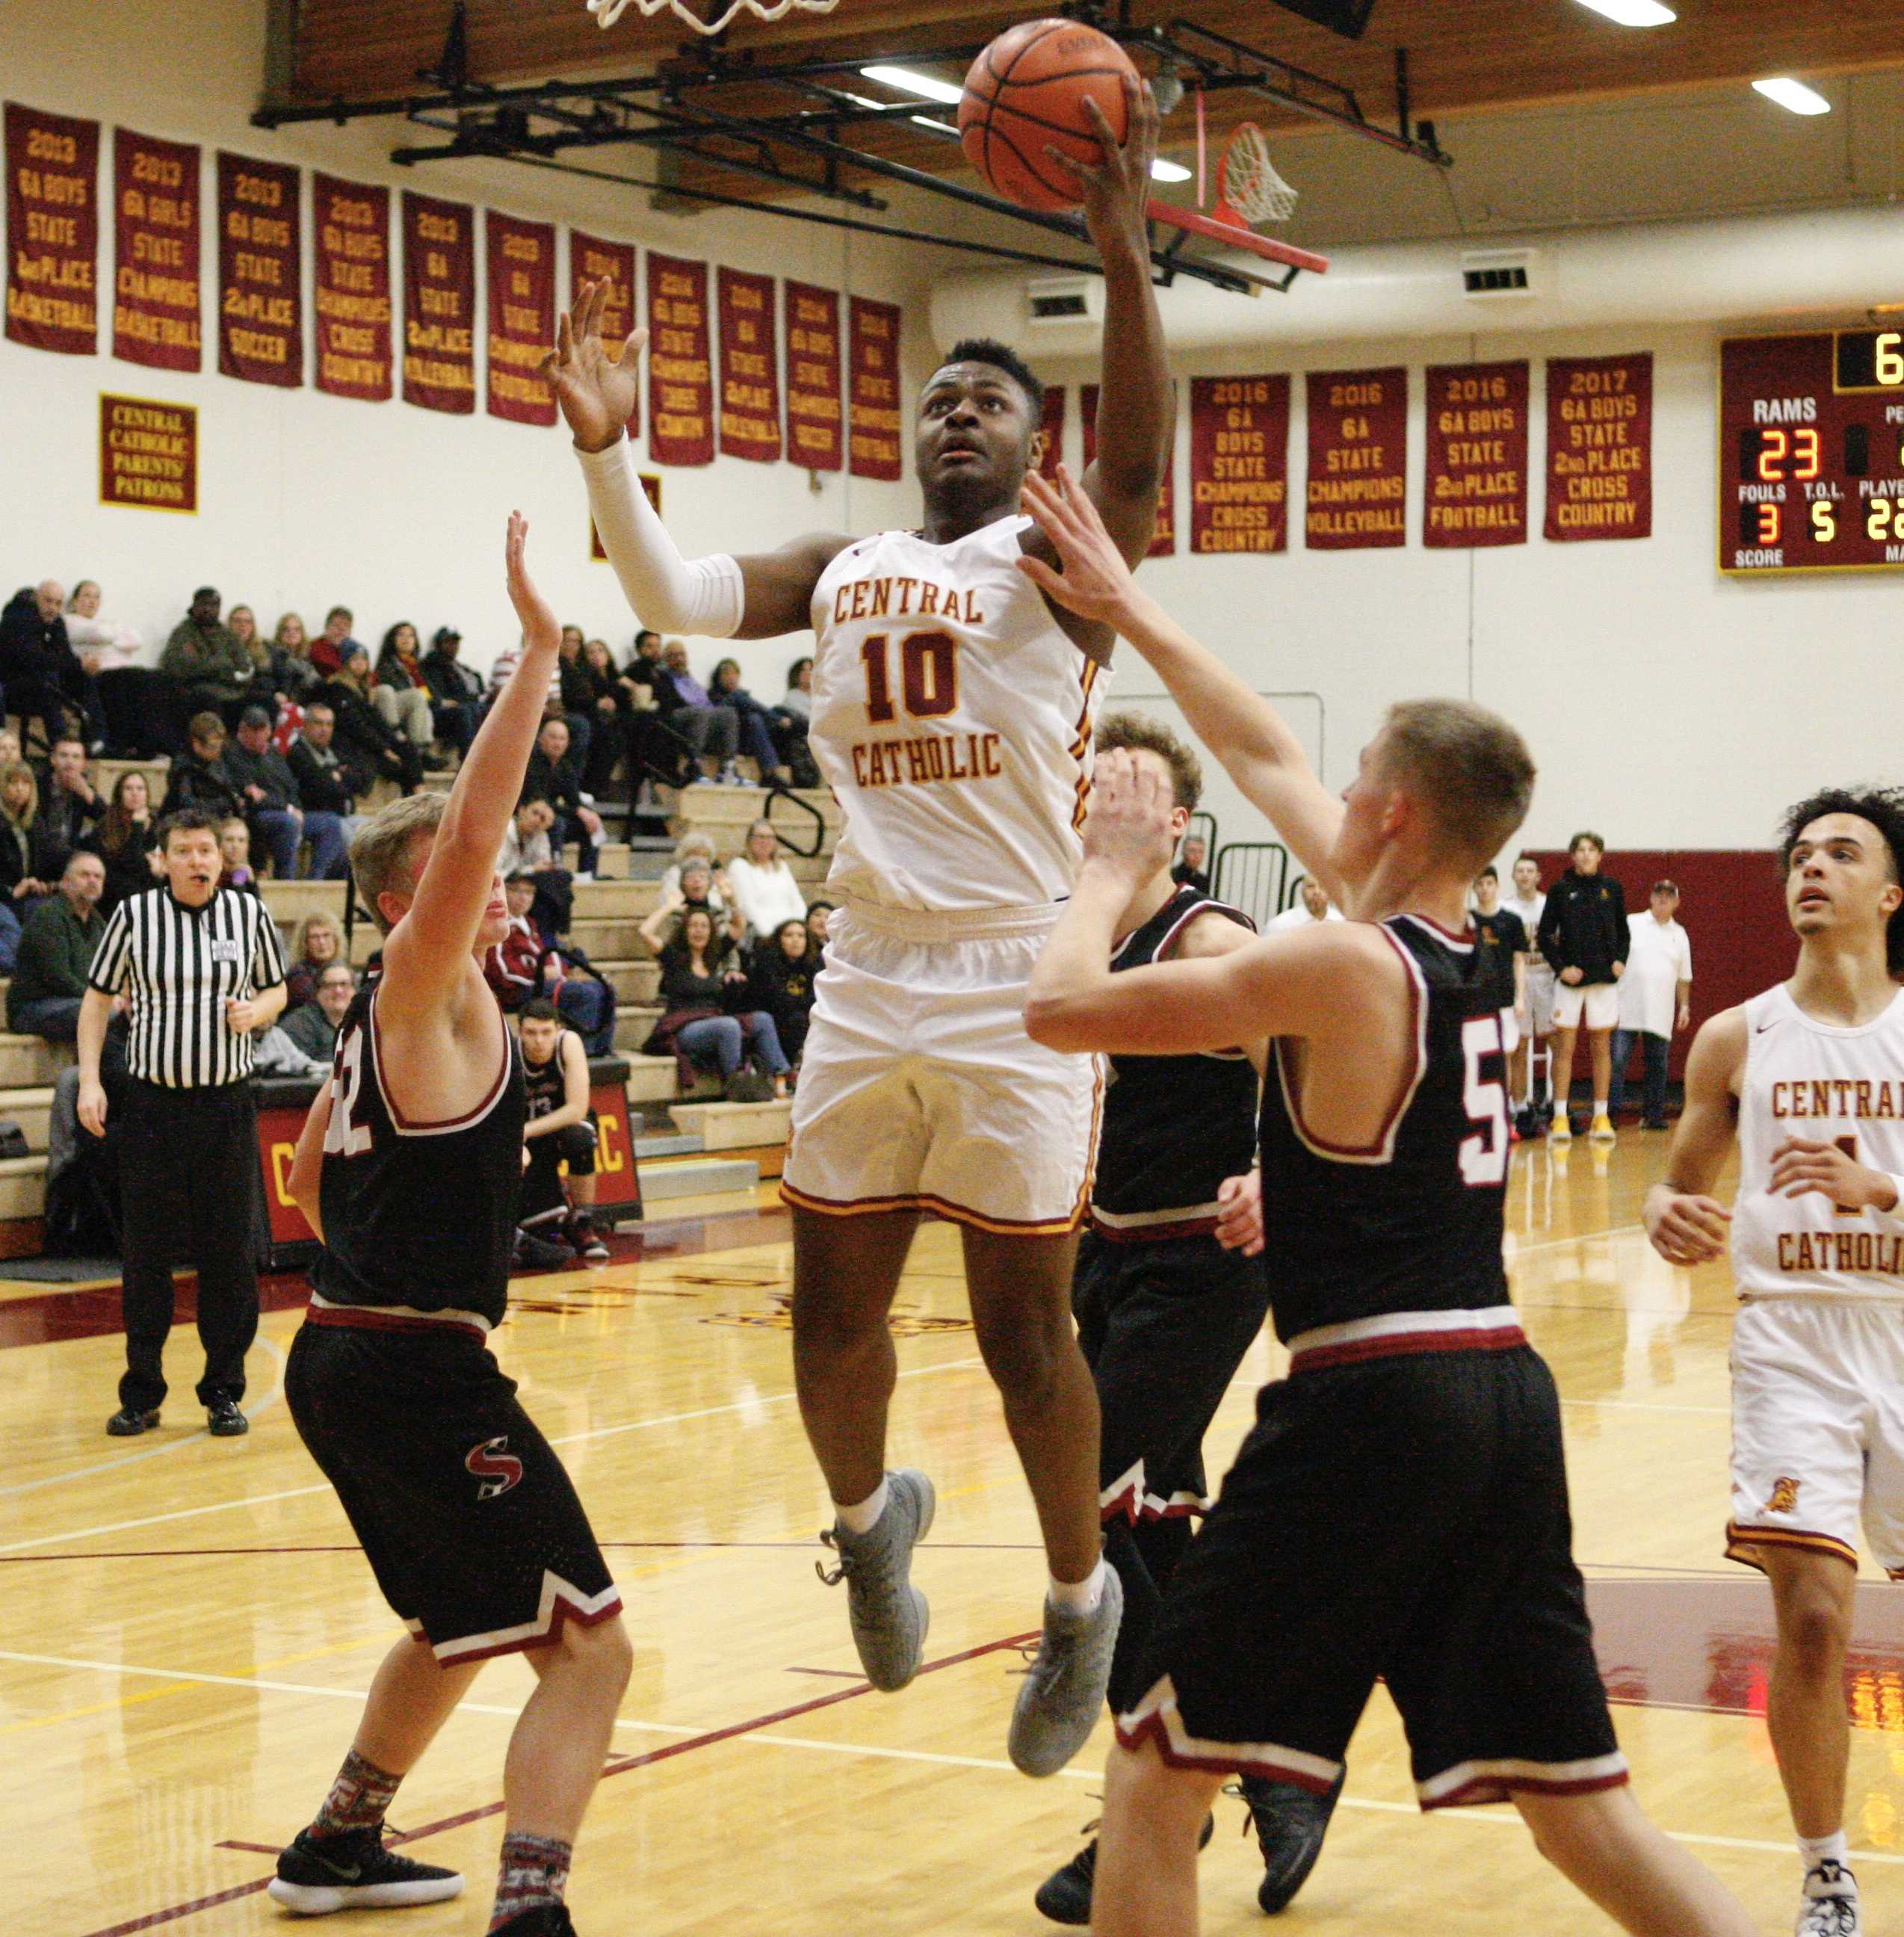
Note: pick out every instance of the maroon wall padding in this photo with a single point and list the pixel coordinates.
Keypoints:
(1732, 906)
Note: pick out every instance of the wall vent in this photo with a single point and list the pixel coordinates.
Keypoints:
(1487, 274)
(1064, 299)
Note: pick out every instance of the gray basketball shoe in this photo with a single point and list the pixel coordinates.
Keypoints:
(890, 1615)
(1063, 1693)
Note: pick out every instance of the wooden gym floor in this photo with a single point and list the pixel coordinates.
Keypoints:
(188, 1629)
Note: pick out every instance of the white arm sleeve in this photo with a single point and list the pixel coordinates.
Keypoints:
(703, 596)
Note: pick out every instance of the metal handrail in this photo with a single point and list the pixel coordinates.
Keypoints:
(1253, 876)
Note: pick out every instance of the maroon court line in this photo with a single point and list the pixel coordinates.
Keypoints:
(153, 1919)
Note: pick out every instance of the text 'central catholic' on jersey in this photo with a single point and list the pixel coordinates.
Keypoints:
(953, 718)
(1412, 1222)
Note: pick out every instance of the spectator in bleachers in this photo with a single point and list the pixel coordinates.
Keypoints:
(456, 693)
(328, 649)
(780, 980)
(764, 891)
(133, 698)
(199, 777)
(234, 851)
(693, 893)
(204, 659)
(28, 871)
(527, 849)
(700, 975)
(695, 845)
(401, 693)
(103, 646)
(363, 737)
(243, 624)
(274, 805)
(316, 943)
(326, 782)
(128, 840)
(71, 807)
(712, 731)
(756, 725)
(553, 776)
(1191, 870)
(314, 1025)
(42, 674)
(57, 947)
(1312, 905)
(526, 964)
(293, 677)
(595, 669)
(819, 914)
(577, 694)
(792, 719)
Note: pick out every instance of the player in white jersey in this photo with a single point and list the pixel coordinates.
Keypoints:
(953, 716)
(1813, 1070)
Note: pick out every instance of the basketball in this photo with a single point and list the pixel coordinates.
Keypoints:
(1026, 93)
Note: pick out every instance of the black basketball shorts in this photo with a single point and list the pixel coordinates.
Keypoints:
(1403, 1518)
(1163, 1325)
(467, 1518)
(542, 1195)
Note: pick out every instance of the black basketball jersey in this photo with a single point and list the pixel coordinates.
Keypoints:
(1413, 1223)
(546, 1088)
(419, 1218)
(1174, 1126)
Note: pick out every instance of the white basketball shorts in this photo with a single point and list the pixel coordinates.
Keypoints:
(1818, 1429)
(920, 1090)
(1540, 998)
(1594, 1005)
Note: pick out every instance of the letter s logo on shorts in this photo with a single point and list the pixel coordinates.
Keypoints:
(1784, 1497)
(496, 1466)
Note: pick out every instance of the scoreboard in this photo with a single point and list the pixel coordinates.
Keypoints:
(1811, 452)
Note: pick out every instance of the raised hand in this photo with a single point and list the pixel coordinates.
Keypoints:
(539, 626)
(1096, 583)
(1116, 192)
(1129, 825)
(597, 394)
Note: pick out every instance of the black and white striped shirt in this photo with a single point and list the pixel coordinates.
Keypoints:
(180, 966)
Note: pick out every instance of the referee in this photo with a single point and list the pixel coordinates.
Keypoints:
(201, 968)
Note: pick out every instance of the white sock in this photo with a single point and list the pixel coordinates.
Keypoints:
(1832, 1849)
(1600, 1106)
(1078, 1597)
(863, 1518)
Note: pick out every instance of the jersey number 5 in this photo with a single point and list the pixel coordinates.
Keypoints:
(344, 1136)
(1484, 1155)
(928, 672)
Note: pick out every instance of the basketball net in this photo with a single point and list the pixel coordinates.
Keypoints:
(1249, 190)
(608, 12)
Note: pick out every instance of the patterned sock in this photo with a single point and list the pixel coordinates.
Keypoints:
(534, 1870)
(358, 1799)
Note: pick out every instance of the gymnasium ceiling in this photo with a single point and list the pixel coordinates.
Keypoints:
(1527, 94)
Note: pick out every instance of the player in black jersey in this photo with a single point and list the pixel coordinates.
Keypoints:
(408, 1169)
(560, 1130)
(1399, 1510)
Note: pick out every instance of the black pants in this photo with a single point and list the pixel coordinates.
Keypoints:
(138, 703)
(188, 1186)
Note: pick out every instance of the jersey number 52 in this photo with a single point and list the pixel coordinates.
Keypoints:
(344, 1136)
(1484, 1155)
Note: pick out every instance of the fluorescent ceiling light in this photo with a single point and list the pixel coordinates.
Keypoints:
(937, 127)
(1173, 171)
(924, 85)
(1794, 94)
(1633, 13)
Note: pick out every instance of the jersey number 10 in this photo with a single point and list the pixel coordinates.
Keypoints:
(929, 676)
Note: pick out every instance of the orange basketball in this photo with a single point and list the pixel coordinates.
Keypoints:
(1026, 93)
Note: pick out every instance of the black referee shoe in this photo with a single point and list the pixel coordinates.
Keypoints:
(129, 1420)
(224, 1421)
(1291, 1822)
(318, 1875)
(1064, 1895)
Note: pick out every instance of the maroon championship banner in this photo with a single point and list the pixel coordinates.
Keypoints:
(260, 293)
(522, 279)
(1357, 496)
(1051, 453)
(681, 363)
(814, 427)
(1163, 541)
(155, 213)
(874, 439)
(593, 260)
(1476, 478)
(1599, 447)
(350, 224)
(148, 454)
(439, 305)
(749, 367)
(52, 230)
(1239, 464)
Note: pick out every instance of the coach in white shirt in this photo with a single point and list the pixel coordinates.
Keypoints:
(1655, 999)
(1313, 907)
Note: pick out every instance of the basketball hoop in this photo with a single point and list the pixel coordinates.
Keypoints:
(608, 12)
(1248, 188)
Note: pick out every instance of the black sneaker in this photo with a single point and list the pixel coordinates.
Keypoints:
(587, 1241)
(546, 1920)
(318, 1875)
(1064, 1895)
(129, 1421)
(534, 1253)
(1290, 1822)
(224, 1421)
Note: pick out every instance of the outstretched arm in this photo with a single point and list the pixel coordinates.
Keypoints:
(430, 948)
(1253, 741)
